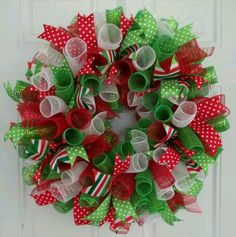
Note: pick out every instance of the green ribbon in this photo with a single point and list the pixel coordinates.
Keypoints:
(91, 82)
(63, 207)
(195, 92)
(88, 201)
(170, 88)
(195, 189)
(73, 136)
(124, 149)
(139, 81)
(18, 133)
(104, 163)
(140, 203)
(184, 35)
(220, 124)
(204, 159)
(143, 124)
(144, 184)
(29, 172)
(145, 20)
(100, 213)
(113, 16)
(161, 207)
(64, 84)
(116, 106)
(74, 151)
(189, 139)
(123, 209)
(163, 113)
(15, 93)
(172, 23)
(151, 100)
(210, 75)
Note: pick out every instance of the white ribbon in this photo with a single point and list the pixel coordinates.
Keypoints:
(49, 56)
(158, 152)
(139, 141)
(183, 181)
(109, 92)
(97, 126)
(133, 99)
(164, 194)
(52, 105)
(72, 175)
(143, 58)
(43, 80)
(109, 37)
(75, 52)
(63, 192)
(138, 163)
(184, 114)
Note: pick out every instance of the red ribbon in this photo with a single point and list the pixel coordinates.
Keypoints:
(55, 36)
(125, 24)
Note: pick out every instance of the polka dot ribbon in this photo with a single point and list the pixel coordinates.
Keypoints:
(55, 36)
(86, 30)
(125, 24)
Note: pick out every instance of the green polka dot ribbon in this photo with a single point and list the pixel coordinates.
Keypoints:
(190, 140)
(63, 207)
(195, 189)
(18, 133)
(184, 35)
(172, 23)
(74, 151)
(144, 184)
(100, 213)
(169, 89)
(113, 16)
(28, 173)
(123, 209)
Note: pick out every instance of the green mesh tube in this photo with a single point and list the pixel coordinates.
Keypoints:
(116, 106)
(151, 100)
(124, 148)
(103, 163)
(64, 84)
(220, 124)
(143, 124)
(140, 203)
(92, 82)
(144, 183)
(63, 207)
(139, 81)
(163, 113)
(88, 201)
(155, 204)
(113, 16)
(28, 173)
(189, 139)
(128, 133)
(210, 75)
(73, 136)
(194, 92)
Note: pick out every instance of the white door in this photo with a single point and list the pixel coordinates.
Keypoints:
(21, 21)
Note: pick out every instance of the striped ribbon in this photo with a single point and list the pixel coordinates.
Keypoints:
(101, 185)
(110, 57)
(41, 147)
(60, 156)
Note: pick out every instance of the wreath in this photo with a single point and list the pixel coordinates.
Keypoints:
(75, 86)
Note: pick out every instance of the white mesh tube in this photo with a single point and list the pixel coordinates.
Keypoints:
(97, 126)
(72, 175)
(183, 181)
(138, 163)
(43, 80)
(109, 92)
(75, 52)
(52, 105)
(164, 194)
(63, 192)
(109, 37)
(49, 56)
(143, 112)
(184, 114)
(158, 152)
(133, 99)
(144, 58)
(139, 141)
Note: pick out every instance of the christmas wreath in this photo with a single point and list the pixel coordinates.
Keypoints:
(75, 86)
